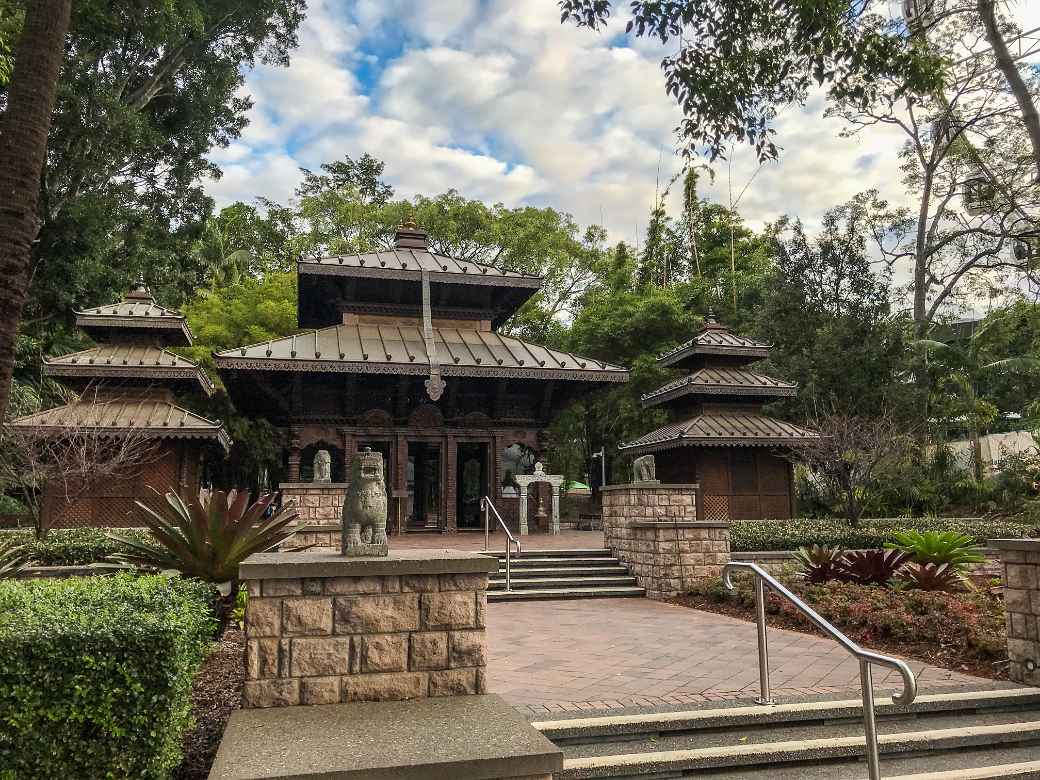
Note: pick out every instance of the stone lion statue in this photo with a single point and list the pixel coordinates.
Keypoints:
(364, 510)
(644, 469)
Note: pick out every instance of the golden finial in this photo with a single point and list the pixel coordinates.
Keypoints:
(409, 222)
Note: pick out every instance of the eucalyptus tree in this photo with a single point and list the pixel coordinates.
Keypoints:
(967, 166)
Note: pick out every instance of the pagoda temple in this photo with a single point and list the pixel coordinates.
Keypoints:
(720, 437)
(130, 381)
(403, 355)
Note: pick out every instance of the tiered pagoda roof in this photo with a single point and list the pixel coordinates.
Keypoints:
(721, 399)
(133, 374)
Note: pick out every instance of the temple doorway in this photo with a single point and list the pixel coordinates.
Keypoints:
(424, 486)
(471, 482)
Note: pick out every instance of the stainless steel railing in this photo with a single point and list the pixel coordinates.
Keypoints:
(488, 507)
(866, 657)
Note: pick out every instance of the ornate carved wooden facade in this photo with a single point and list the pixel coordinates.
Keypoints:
(720, 438)
(129, 382)
(404, 357)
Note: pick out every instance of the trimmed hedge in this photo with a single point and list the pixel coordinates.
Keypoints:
(758, 535)
(96, 674)
(73, 546)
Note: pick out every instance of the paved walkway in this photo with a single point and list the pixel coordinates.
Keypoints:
(572, 656)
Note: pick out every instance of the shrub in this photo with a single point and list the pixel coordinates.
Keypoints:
(756, 535)
(72, 547)
(96, 674)
(930, 576)
(954, 549)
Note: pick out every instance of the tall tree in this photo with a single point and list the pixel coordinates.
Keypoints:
(23, 148)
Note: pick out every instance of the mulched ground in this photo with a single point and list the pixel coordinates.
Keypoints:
(216, 693)
(947, 658)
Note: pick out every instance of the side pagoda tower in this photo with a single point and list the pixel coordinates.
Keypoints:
(130, 380)
(720, 438)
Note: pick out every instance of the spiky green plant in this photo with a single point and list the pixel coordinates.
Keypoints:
(13, 558)
(946, 547)
(210, 537)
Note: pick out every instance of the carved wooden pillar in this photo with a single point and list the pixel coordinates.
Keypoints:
(349, 449)
(451, 487)
(294, 454)
(523, 510)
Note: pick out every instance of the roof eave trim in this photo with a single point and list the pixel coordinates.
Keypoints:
(224, 362)
(131, 372)
(672, 358)
(652, 399)
(701, 441)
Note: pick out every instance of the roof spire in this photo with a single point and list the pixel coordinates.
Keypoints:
(140, 292)
(410, 235)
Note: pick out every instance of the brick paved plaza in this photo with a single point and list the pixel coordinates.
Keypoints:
(560, 656)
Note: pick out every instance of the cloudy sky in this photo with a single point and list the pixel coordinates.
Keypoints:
(497, 99)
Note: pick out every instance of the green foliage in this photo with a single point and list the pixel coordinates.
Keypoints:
(938, 547)
(96, 674)
(147, 89)
(758, 535)
(958, 627)
(72, 546)
(741, 60)
(210, 537)
(819, 564)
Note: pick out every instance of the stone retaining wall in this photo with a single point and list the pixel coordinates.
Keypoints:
(336, 632)
(317, 502)
(1021, 562)
(653, 529)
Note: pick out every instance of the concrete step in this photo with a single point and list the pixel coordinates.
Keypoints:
(542, 583)
(573, 731)
(545, 594)
(564, 571)
(545, 563)
(678, 763)
(591, 552)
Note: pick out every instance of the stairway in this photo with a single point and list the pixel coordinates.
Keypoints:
(562, 574)
(958, 735)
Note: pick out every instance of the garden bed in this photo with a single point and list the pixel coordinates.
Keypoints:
(965, 631)
(216, 693)
(73, 546)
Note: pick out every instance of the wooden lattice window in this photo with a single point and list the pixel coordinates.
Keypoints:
(716, 507)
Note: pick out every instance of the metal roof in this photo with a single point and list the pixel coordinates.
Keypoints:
(721, 381)
(408, 263)
(400, 349)
(721, 429)
(137, 309)
(715, 339)
(158, 418)
(137, 361)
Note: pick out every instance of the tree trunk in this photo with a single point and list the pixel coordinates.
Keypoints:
(1016, 83)
(24, 126)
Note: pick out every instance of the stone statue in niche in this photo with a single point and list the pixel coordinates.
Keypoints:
(364, 511)
(322, 466)
(644, 469)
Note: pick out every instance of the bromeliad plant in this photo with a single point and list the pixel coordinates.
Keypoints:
(872, 567)
(819, 564)
(209, 538)
(947, 547)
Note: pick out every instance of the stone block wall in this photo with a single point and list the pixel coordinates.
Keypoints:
(1020, 559)
(654, 530)
(341, 638)
(317, 502)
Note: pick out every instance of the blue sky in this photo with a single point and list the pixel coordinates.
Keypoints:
(497, 99)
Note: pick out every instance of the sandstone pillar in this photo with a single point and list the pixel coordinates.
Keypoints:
(1020, 559)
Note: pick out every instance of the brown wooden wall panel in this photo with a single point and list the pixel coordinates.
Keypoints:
(772, 472)
(776, 507)
(744, 507)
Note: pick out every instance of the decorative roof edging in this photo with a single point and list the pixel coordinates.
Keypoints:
(100, 370)
(670, 444)
(447, 277)
(416, 369)
(687, 386)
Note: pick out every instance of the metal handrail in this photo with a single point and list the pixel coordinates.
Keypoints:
(865, 657)
(488, 507)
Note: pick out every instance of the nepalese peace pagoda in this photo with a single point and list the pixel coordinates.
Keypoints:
(719, 437)
(403, 357)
